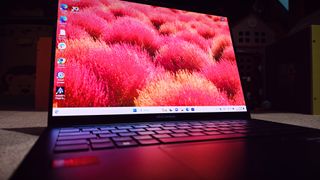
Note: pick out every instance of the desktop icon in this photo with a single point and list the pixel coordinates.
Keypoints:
(60, 75)
(75, 9)
(62, 46)
(192, 109)
(63, 19)
(134, 110)
(62, 32)
(64, 7)
(61, 60)
(60, 90)
(164, 110)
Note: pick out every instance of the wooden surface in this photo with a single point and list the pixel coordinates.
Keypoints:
(19, 130)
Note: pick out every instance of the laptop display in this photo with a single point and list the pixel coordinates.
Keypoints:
(115, 57)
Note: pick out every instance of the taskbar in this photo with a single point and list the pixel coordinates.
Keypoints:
(91, 111)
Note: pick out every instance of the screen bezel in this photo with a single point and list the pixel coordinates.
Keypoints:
(54, 121)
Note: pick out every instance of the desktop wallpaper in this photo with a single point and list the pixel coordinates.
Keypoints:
(113, 53)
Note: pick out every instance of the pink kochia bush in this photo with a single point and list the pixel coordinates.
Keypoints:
(126, 68)
(133, 31)
(119, 10)
(170, 28)
(225, 76)
(76, 32)
(194, 38)
(203, 29)
(125, 54)
(83, 83)
(219, 45)
(93, 24)
(159, 19)
(176, 54)
(180, 89)
(104, 13)
(122, 68)
(228, 54)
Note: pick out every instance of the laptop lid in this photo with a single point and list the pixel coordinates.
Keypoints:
(120, 61)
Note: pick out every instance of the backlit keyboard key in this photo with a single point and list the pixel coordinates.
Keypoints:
(122, 138)
(108, 135)
(146, 133)
(76, 137)
(169, 125)
(89, 129)
(180, 131)
(196, 134)
(228, 132)
(126, 143)
(101, 140)
(148, 141)
(164, 132)
(119, 131)
(155, 125)
(70, 148)
(101, 132)
(124, 127)
(69, 130)
(169, 128)
(210, 129)
(184, 127)
(225, 129)
(74, 133)
(195, 130)
(73, 142)
(105, 145)
(140, 126)
(161, 135)
(128, 134)
(200, 138)
(137, 130)
(153, 129)
(213, 132)
(197, 127)
(143, 137)
(179, 135)
(107, 128)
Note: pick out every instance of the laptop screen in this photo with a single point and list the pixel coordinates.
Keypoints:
(116, 58)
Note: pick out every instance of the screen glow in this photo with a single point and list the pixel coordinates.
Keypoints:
(115, 54)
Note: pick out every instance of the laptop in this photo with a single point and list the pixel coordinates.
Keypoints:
(151, 91)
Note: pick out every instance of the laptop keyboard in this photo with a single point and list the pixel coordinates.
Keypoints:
(106, 137)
